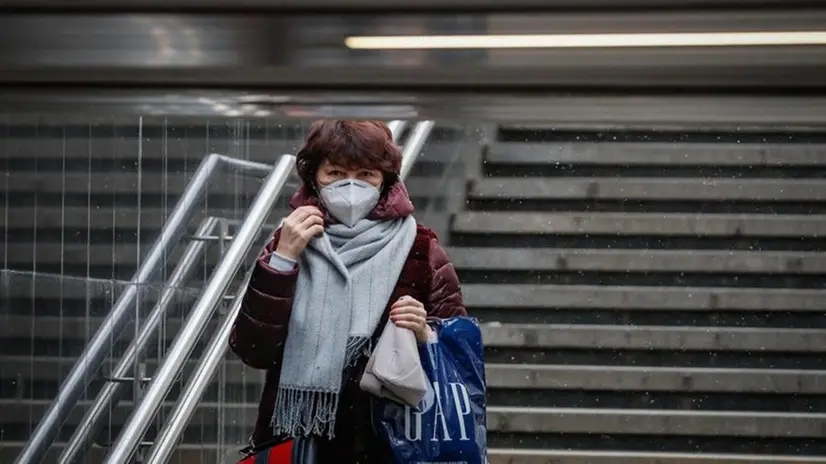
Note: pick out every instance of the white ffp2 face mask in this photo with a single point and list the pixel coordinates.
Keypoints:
(349, 200)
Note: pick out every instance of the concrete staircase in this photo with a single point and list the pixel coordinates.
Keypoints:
(655, 298)
(648, 298)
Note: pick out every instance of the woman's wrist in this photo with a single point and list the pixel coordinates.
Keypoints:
(427, 335)
(286, 253)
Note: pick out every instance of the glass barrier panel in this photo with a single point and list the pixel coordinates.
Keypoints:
(83, 203)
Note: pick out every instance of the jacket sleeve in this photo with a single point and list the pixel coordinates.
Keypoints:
(260, 330)
(445, 296)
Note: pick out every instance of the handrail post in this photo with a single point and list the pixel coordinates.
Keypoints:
(95, 352)
(396, 129)
(203, 374)
(414, 145)
(133, 431)
(83, 434)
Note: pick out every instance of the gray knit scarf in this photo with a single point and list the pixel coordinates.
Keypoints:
(345, 280)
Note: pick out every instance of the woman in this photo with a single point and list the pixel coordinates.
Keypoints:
(349, 257)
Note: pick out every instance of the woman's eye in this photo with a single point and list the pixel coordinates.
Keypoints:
(336, 173)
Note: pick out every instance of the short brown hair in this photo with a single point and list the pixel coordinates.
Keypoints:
(352, 144)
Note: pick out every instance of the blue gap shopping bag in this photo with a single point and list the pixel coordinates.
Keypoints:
(449, 424)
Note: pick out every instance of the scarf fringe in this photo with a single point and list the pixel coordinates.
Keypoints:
(302, 412)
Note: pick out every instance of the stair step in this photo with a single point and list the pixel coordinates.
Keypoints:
(54, 295)
(588, 386)
(737, 339)
(528, 456)
(644, 188)
(521, 376)
(656, 422)
(77, 155)
(658, 154)
(228, 454)
(530, 419)
(172, 184)
(544, 336)
(494, 296)
(649, 379)
(639, 260)
(660, 224)
(642, 298)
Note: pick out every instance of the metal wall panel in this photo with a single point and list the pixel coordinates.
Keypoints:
(287, 51)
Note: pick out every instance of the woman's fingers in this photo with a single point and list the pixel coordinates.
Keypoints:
(412, 326)
(415, 320)
(310, 221)
(411, 321)
(405, 309)
(314, 211)
(312, 231)
(303, 215)
(300, 214)
(407, 301)
(412, 317)
(311, 226)
(409, 317)
(308, 210)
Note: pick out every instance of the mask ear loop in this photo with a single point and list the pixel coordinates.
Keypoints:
(316, 188)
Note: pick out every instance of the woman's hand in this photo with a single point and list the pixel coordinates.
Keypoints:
(409, 313)
(299, 227)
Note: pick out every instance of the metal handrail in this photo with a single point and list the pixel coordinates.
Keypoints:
(83, 371)
(396, 129)
(83, 435)
(204, 372)
(201, 377)
(414, 145)
(133, 431)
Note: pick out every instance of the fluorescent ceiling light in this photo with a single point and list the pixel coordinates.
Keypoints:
(679, 39)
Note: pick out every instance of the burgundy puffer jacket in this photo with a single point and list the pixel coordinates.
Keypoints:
(260, 330)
